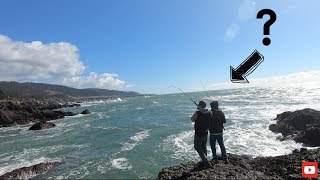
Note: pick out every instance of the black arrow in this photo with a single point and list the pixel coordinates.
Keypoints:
(246, 67)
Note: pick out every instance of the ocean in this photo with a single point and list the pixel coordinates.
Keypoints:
(136, 137)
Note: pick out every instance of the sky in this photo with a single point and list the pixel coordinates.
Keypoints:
(148, 45)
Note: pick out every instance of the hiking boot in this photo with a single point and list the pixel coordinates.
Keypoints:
(226, 161)
(207, 164)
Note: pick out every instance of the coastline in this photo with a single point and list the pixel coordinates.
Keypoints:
(245, 167)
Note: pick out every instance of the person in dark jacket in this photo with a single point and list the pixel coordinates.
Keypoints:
(216, 131)
(201, 119)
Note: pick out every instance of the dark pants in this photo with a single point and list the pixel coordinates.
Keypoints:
(219, 138)
(200, 144)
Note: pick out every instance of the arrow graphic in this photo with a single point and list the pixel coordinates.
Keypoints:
(245, 68)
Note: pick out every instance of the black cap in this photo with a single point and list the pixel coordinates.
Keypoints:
(202, 104)
(214, 104)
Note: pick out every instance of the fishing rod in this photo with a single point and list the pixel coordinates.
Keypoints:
(205, 89)
(185, 95)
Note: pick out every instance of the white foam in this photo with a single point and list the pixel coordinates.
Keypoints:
(114, 100)
(180, 146)
(257, 140)
(25, 163)
(135, 140)
(121, 163)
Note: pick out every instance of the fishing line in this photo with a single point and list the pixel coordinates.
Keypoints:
(185, 94)
(205, 89)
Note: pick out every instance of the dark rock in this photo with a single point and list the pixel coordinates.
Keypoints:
(29, 172)
(21, 112)
(245, 167)
(42, 125)
(302, 150)
(2, 95)
(74, 105)
(296, 151)
(85, 112)
(302, 126)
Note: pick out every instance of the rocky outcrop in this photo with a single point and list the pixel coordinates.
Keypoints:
(85, 112)
(20, 112)
(2, 95)
(29, 172)
(42, 125)
(245, 167)
(302, 126)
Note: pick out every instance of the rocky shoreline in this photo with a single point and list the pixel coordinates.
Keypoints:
(29, 172)
(245, 167)
(302, 126)
(25, 111)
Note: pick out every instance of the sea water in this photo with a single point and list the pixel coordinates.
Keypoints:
(136, 137)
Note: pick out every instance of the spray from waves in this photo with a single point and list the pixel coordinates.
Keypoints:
(114, 100)
(135, 140)
(180, 146)
(256, 140)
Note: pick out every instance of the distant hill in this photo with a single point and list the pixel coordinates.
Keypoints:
(57, 92)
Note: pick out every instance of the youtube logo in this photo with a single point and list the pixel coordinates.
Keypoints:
(310, 169)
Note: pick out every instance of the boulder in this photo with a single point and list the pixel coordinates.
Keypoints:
(302, 126)
(42, 125)
(29, 172)
(85, 112)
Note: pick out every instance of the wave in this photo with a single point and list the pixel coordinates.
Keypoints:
(25, 163)
(31, 156)
(135, 140)
(114, 100)
(181, 145)
(121, 163)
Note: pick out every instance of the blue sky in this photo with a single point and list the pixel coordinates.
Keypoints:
(146, 45)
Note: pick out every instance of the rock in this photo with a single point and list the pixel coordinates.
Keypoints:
(85, 112)
(302, 126)
(74, 105)
(25, 111)
(245, 167)
(302, 150)
(29, 172)
(42, 125)
(296, 151)
(2, 95)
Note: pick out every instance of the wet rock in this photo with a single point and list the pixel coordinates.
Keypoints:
(302, 126)
(42, 125)
(29, 172)
(20, 112)
(245, 167)
(85, 112)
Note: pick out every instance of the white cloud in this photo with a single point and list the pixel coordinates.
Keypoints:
(21, 61)
(231, 32)
(247, 10)
(57, 62)
(305, 79)
(93, 80)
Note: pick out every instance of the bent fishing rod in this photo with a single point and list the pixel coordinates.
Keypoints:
(185, 95)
